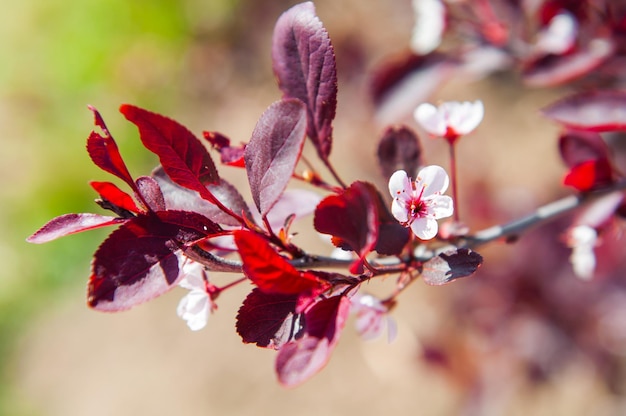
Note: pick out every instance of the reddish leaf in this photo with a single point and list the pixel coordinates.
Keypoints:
(150, 193)
(104, 151)
(269, 320)
(274, 150)
(183, 157)
(591, 111)
(588, 175)
(183, 199)
(110, 192)
(229, 155)
(552, 70)
(299, 360)
(140, 260)
(392, 236)
(304, 63)
(577, 146)
(351, 218)
(270, 272)
(451, 265)
(399, 149)
(71, 224)
(403, 82)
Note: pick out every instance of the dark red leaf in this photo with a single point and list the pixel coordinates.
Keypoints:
(70, 224)
(299, 360)
(140, 260)
(150, 193)
(272, 273)
(304, 63)
(269, 320)
(183, 157)
(104, 152)
(110, 192)
(403, 82)
(553, 70)
(591, 111)
(589, 175)
(274, 150)
(229, 155)
(399, 149)
(351, 218)
(577, 146)
(451, 265)
(183, 199)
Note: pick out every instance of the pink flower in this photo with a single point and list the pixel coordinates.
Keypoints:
(420, 204)
(582, 239)
(451, 119)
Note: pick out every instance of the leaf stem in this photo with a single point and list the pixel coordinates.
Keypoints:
(453, 181)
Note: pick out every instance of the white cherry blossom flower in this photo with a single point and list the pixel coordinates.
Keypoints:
(420, 204)
(582, 239)
(450, 119)
(560, 34)
(430, 23)
(196, 306)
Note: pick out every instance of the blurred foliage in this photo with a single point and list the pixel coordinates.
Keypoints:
(56, 57)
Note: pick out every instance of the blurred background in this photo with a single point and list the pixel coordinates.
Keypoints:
(461, 349)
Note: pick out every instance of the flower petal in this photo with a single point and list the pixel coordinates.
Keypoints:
(434, 179)
(425, 228)
(431, 119)
(399, 210)
(194, 308)
(400, 185)
(467, 116)
(440, 206)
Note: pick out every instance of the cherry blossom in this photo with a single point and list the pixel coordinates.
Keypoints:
(560, 34)
(195, 307)
(430, 23)
(582, 239)
(450, 119)
(420, 204)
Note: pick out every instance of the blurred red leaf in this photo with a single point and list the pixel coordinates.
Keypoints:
(588, 175)
(577, 146)
(273, 151)
(399, 149)
(591, 111)
(304, 63)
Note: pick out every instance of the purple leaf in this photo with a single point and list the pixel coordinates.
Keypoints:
(402, 83)
(577, 146)
(183, 199)
(140, 260)
(553, 70)
(104, 152)
(268, 320)
(299, 360)
(451, 265)
(150, 193)
(597, 111)
(183, 157)
(351, 218)
(274, 150)
(70, 224)
(304, 63)
(399, 149)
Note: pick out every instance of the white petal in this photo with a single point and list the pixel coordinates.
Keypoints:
(193, 273)
(434, 179)
(467, 116)
(431, 119)
(399, 185)
(440, 206)
(429, 25)
(425, 228)
(583, 261)
(399, 211)
(194, 308)
(560, 34)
